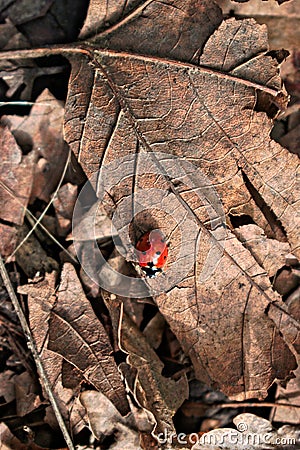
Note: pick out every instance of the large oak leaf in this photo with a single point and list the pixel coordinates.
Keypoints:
(205, 116)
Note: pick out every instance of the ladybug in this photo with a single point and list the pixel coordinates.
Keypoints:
(152, 252)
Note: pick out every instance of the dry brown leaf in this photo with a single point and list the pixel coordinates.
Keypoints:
(93, 224)
(45, 22)
(16, 175)
(27, 394)
(7, 389)
(110, 423)
(11, 38)
(154, 330)
(24, 77)
(9, 239)
(42, 131)
(160, 395)
(64, 204)
(32, 11)
(269, 253)
(100, 15)
(291, 140)
(228, 316)
(10, 442)
(78, 336)
(253, 432)
(206, 136)
(282, 19)
(293, 303)
(287, 323)
(41, 299)
(176, 29)
(206, 97)
(205, 117)
(286, 281)
(288, 396)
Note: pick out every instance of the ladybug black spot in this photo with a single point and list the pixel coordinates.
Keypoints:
(151, 272)
(165, 257)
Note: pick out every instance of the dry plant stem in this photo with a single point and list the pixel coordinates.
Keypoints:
(257, 405)
(32, 347)
(20, 103)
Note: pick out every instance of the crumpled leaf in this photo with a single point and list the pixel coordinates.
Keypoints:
(42, 131)
(112, 423)
(11, 38)
(41, 299)
(269, 253)
(9, 440)
(78, 336)
(9, 239)
(24, 77)
(288, 396)
(44, 22)
(283, 22)
(252, 433)
(27, 394)
(205, 116)
(160, 395)
(7, 389)
(20, 76)
(32, 10)
(64, 204)
(16, 175)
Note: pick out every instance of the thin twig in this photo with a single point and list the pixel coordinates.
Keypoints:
(22, 103)
(33, 348)
(257, 405)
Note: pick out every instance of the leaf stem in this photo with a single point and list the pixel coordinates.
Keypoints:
(89, 49)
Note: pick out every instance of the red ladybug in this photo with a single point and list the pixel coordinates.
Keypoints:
(152, 252)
